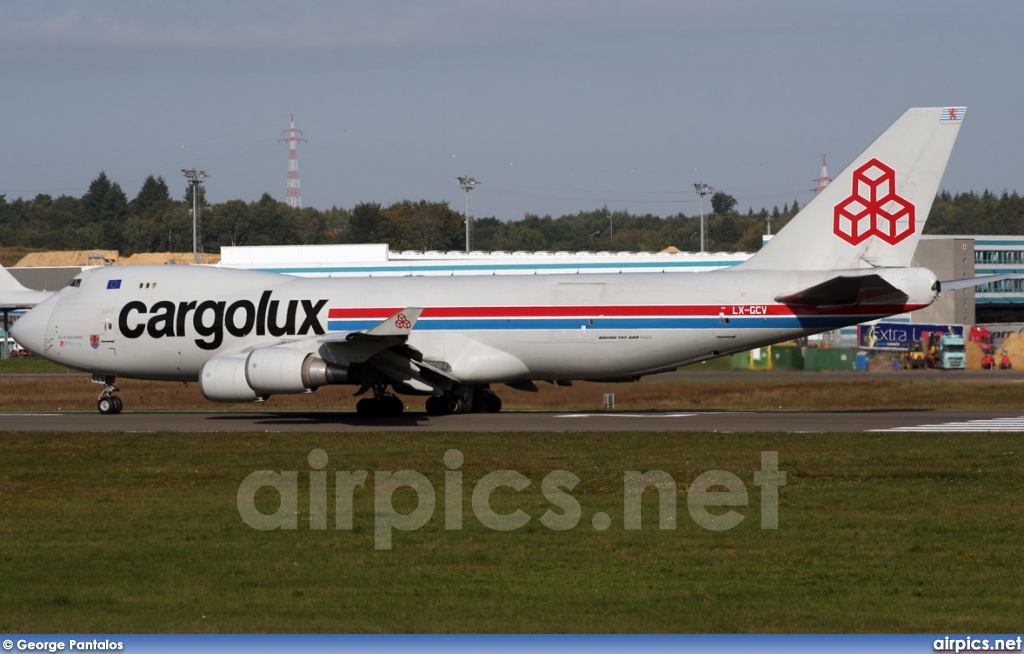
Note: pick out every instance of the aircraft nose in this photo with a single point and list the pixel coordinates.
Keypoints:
(30, 329)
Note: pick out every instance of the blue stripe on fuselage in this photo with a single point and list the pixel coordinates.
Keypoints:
(631, 323)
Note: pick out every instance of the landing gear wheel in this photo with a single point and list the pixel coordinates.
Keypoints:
(454, 404)
(368, 407)
(110, 405)
(435, 406)
(385, 406)
(486, 402)
(392, 405)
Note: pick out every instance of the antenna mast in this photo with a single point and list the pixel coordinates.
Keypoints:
(293, 139)
(824, 179)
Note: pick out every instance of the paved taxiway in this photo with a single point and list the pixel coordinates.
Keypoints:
(524, 421)
(559, 421)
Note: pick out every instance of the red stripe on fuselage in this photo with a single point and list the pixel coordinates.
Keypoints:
(729, 310)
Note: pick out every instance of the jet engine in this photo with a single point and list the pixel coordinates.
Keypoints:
(267, 371)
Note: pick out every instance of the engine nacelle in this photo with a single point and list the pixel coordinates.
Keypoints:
(222, 379)
(272, 370)
(267, 371)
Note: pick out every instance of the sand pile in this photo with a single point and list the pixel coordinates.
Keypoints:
(164, 257)
(974, 355)
(66, 258)
(1014, 345)
(110, 257)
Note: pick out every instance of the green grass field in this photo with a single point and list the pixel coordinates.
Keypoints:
(141, 533)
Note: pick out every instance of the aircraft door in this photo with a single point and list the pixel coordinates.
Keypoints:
(107, 338)
(724, 329)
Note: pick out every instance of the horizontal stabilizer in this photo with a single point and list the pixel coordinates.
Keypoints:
(847, 291)
(957, 284)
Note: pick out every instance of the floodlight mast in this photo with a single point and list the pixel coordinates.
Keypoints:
(195, 179)
(702, 190)
(467, 184)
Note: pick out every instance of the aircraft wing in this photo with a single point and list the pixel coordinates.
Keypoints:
(384, 351)
(846, 291)
(375, 356)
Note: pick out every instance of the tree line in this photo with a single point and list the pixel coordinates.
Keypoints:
(104, 218)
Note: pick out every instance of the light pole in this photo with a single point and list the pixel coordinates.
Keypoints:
(467, 184)
(195, 178)
(702, 190)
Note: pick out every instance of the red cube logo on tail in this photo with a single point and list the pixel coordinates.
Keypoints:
(874, 209)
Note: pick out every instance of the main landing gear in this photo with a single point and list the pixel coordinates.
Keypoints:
(381, 405)
(477, 400)
(108, 403)
(468, 399)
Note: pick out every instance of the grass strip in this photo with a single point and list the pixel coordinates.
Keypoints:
(141, 533)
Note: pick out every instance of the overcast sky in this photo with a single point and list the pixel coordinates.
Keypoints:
(555, 106)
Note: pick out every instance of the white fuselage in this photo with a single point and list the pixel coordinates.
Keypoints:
(166, 322)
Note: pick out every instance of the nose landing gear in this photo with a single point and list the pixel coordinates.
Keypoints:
(108, 403)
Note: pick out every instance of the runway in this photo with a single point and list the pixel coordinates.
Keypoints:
(523, 421)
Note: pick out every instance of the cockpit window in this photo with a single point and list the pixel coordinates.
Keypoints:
(75, 283)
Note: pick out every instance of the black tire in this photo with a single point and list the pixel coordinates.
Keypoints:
(435, 406)
(486, 402)
(118, 404)
(455, 405)
(106, 406)
(368, 407)
(392, 405)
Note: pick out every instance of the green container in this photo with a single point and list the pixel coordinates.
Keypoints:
(832, 358)
(756, 359)
(740, 361)
(787, 357)
(761, 358)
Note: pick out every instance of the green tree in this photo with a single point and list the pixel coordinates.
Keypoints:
(228, 225)
(153, 193)
(365, 223)
(722, 203)
(422, 226)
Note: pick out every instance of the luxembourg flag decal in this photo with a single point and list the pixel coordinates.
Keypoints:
(952, 114)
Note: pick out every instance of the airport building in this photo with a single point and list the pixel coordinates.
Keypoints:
(951, 257)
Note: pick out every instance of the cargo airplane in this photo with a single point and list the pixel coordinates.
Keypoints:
(247, 335)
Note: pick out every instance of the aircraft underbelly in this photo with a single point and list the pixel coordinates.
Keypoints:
(578, 354)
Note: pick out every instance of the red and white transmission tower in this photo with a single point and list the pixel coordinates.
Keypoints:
(824, 179)
(293, 139)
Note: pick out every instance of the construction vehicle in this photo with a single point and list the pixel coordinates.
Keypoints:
(983, 337)
(988, 362)
(944, 350)
(913, 357)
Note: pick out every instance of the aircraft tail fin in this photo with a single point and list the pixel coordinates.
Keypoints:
(13, 295)
(8, 282)
(872, 214)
